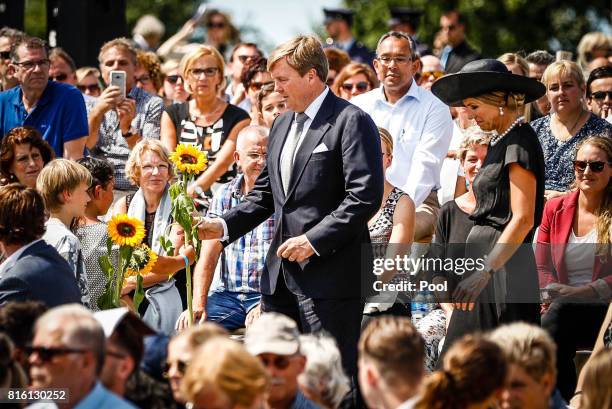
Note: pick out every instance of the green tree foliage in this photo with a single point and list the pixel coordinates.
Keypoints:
(494, 26)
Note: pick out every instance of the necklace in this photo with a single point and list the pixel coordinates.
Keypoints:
(571, 130)
(495, 139)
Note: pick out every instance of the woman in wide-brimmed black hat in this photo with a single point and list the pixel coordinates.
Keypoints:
(509, 190)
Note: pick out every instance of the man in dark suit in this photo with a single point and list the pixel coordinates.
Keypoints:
(323, 181)
(457, 51)
(338, 24)
(33, 270)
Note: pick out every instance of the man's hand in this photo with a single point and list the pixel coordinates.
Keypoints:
(108, 99)
(126, 110)
(209, 228)
(183, 320)
(252, 315)
(296, 249)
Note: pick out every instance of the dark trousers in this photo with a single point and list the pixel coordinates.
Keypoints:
(340, 318)
(572, 326)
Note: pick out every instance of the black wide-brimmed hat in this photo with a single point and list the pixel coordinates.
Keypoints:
(482, 77)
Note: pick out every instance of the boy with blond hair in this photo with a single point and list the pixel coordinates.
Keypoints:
(64, 186)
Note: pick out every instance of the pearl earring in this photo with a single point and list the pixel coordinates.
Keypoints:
(501, 111)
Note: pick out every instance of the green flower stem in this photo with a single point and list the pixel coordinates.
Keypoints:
(118, 283)
(188, 267)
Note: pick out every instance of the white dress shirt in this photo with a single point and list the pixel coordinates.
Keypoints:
(421, 127)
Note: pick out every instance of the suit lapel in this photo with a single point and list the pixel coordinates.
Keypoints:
(316, 131)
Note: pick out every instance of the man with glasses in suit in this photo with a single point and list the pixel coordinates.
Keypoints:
(599, 92)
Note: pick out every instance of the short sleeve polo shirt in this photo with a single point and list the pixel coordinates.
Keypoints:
(60, 114)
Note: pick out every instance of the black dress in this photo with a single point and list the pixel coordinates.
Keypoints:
(209, 138)
(512, 294)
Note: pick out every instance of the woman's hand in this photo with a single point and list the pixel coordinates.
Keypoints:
(469, 289)
(551, 194)
(188, 251)
(129, 285)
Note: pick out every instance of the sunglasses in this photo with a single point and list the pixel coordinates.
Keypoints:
(90, 88)
(601, 95)
(59, 77)
(435, 74)
(595, 166)
(360, 86)
(245, 58)
(279, 362)
(208, 72)
(47, 354)
(215, 25)
(173, 79)
(142, 79)
(180, 365)
(256, 86)
(5, 55)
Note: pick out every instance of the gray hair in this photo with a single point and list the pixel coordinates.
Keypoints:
(323, 373)
(402, 36)
(472, 136)
(79, 329)
(250, 131)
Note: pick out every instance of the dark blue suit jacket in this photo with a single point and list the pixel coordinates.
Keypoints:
(40, 274)
(331, 196)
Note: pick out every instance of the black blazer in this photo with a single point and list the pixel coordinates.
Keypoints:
(459, 56)
(331, 197)
(40, 274)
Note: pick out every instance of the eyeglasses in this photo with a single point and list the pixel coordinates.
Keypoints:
(29, 65)
(208, 72)
(279, 362)
(47, 354)
(257, 155)
(435, 74)
(5, 55)
(595, 166)
(162, 167)
(59, 77)
(115, 354)
(601, 95)
(173, 79)
(256, 86)
(215, 25)
(450, 27)
(245, 58)
(400, 60)
(142, 79)
(90, 88)
(181, 366)
(360, 86)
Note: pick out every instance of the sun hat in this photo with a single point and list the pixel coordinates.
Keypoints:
(482, 77)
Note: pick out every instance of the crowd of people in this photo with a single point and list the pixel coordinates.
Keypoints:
(323, 158)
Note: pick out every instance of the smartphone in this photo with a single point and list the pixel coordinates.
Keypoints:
(199, 14)
(117, 78)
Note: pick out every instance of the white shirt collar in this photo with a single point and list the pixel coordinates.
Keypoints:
(312, 109)
(413, 92)
(10, 262)
(409, 404)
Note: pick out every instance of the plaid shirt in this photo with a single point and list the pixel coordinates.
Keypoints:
(243, 261)
(111, 144)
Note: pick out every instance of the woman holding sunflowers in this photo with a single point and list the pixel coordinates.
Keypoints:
(149, 168)
(206, 121)
(93, 233)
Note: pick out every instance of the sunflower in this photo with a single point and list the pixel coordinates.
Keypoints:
(142, 261)
(126, 231)
(189, 159)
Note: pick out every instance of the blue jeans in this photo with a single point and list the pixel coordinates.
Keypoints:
(230, 309)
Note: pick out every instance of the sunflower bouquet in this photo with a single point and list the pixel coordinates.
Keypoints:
(134, 258)
(189, 161)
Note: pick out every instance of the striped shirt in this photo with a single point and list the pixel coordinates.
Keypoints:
(243, 261)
